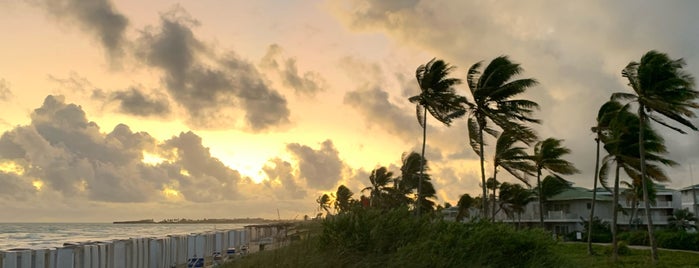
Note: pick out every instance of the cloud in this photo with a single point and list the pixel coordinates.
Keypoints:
(134, 101)
(322, 168)
(70, 155)
(209, 86)
(374, 105)
(99, 17)
(5, 92)
(282, 181)
(308, 83)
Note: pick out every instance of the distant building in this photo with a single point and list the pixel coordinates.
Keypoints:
(565, 212)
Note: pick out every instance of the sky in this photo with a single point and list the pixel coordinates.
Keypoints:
(122, 110)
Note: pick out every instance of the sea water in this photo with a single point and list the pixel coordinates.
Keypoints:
(49, 235)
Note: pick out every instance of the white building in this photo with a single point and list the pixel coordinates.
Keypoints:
(564, 213)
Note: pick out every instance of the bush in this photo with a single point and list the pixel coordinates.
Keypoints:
(677, 240)
(637, 238)
(371, 238)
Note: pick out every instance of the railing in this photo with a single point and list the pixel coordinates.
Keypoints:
(658, 204)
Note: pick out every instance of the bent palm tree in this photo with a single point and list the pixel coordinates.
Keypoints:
(513, 159)
(437, 97)
(343, 199)
(604, 116)
(493, 94)
(379, 178)
(412, 176)
(547, 155)
(660, 85)
(622, 146)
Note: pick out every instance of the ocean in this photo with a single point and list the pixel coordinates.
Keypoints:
(49, 235)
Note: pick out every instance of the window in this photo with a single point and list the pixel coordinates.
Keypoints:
(589, 205)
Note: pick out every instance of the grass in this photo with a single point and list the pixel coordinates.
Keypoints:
(306, 254)
(575, 254)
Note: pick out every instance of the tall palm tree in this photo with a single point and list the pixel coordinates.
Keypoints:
(660, 86)
(604, 116)
(493, 92)
(514, 159)
(547, 155)
(621, 143)
(438, 97)
(379, 178)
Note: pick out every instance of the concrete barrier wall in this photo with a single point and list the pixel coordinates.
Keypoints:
(160, 252)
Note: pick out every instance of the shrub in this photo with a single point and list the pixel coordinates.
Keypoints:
(638, 237)
(677, 240)
(372, 238)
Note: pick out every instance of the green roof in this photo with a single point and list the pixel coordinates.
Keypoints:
(578, 193)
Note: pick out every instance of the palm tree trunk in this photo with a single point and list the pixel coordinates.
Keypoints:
(594, 196)
(642, 152)
(495, 183)
(615, 214)
(484, 208)
(541, 198)
(422, 165)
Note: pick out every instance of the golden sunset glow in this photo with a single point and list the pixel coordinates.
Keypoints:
(11, 167)
(184, 172)
(152, 159)
(38, 184)
(171, 194)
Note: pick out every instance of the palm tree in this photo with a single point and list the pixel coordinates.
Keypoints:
(604, 116)
(465, 202)
(324, 203)
(621, 143)
(343, 199)
(521, 198)
(547, 155)
(660, 86)
(682, 220)
(493, 92)
(513, 159)
(379, 178)
(633, 194)
(412, 176)
(437, 96)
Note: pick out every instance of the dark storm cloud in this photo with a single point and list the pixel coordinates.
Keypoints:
(207, 85)
(374, 105)
(73, 157)
(322, 168)
(308, 83)
(99, 17)
(282, 180)
(134, 101)
(5, 92)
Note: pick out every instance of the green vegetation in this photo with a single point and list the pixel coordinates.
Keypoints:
(375, 238)
(394, 240)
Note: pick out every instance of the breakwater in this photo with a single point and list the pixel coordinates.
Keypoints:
(155, 252)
